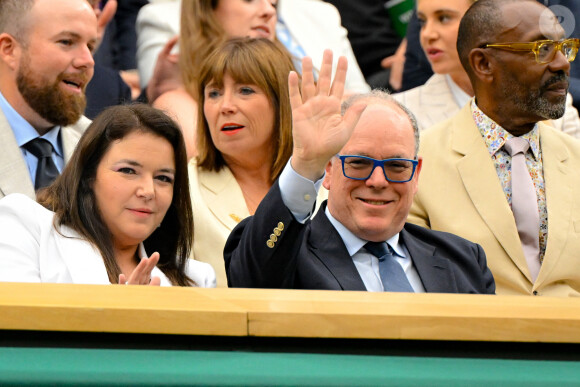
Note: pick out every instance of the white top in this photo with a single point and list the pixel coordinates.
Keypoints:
(32, 250)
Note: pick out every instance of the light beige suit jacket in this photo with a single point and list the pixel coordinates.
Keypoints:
(14, 175)
(460, 192)
(218, 206)
(433, 103)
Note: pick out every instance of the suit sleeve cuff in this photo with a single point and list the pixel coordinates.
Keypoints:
(298, 193)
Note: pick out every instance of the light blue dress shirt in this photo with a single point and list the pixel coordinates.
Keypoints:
(24, 132)
(299, 195)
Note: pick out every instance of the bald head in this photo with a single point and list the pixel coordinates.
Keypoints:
(13, 16)
(480, 25)
(378, 96)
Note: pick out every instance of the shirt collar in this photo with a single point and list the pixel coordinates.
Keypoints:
(24, 132)
(495, 136)
(354, 244)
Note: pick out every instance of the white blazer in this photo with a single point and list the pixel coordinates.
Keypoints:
(314, 24)
(32, 250)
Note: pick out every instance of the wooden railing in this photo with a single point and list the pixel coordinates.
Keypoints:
(288, 313)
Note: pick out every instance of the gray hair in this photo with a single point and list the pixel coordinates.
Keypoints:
(380, 96)
(13, 17)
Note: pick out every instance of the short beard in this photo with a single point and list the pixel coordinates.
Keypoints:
(537, 103)
(48, 100)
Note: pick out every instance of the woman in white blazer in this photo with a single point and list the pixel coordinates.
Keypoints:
(119, 213)
(449, 89)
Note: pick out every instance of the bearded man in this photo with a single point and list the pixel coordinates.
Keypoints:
(46, 63)
(494, 173)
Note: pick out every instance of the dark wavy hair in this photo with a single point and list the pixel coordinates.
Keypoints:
(72, 198)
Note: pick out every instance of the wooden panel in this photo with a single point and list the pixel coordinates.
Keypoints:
(288, 313)
(330, 314)
(135, 309)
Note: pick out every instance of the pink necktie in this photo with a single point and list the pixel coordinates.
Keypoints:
(525, 204)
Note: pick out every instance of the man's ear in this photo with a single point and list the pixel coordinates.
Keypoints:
(326, 181)
(417, 173)
(481, 64)
(10, 50)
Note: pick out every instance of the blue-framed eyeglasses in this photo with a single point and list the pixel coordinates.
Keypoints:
(362, 167)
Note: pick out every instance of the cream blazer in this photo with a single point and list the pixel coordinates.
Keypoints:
(218, 206)
(14, 175)
(32, 250)
(314, 24)
(433, 103)
(459, 192)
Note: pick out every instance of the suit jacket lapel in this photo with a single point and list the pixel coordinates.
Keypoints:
(434, 271)
(70, 136)
(325, 242)
(559, 198)
(483, 187)
(83, 261)
(14, 174)
(223, 196)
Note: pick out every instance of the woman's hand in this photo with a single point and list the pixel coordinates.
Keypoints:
(166, 75)
(319, 130)
(142, 273)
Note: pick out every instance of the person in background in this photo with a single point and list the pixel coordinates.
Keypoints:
(495, 173)
(207, 24)
(449, 89)
(301, 26)
(359, 240)
(119, 213)
(375, 40)
(244, 139)
(107, 88)
(46, 63)
(417, 69)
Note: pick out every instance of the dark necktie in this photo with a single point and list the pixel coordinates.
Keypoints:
(392, 274)
(46, 170)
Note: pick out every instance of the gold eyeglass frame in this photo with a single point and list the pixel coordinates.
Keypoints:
(535, 47)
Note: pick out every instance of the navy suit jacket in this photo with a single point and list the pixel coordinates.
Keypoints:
(313, 255)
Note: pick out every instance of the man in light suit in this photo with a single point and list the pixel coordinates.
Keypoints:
(466, 184)
(368, 201)
(45, 64)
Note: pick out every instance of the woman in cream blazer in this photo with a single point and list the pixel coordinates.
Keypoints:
(244, 140)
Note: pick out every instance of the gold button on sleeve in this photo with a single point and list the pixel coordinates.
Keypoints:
(281, 226)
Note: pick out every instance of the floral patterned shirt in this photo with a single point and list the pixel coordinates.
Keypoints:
(495, 137)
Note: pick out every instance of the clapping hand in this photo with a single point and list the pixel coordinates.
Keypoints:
(142, 273)
(318, 128)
